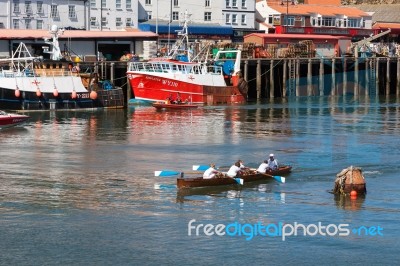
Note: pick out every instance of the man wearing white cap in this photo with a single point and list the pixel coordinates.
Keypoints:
(272, 162)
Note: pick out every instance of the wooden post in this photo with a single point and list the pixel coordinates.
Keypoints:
(366, 77)
(356, 79)
(321, 77)
(112, 73)
(246, 70)
(333, 92)
(344, 76)
(128, 88)
(297, 77)
(271, 80)
(377, 76)
(388, 76)
(398, 78)
(309, 78)
(258, 79)
(284, 78)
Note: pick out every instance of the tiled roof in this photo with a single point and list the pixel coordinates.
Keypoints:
(297, 36)
(384, 13)
(324, 10)
(383, 25)
(76, 34)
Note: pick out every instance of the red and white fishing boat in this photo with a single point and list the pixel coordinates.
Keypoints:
(10, 120)
(200, 81)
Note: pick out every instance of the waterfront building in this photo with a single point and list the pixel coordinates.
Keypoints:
(213, 20)
(313, 17)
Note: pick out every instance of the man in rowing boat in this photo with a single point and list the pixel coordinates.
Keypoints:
(211, 172)
(234, 170)
(272, 162)
(263, 167)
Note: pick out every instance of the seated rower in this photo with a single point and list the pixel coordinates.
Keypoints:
(210, 172)
(262, 169)
(234, 170)
(272, 162)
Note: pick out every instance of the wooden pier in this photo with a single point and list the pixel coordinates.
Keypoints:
(286, 77)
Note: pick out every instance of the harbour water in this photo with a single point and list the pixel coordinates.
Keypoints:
(78, 187)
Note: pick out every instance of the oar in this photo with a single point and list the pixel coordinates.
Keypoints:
(161, 186)
(200, 167)
(171, 173)
(280, 179)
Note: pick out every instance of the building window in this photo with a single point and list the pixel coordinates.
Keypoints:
(28, 7)
(71, 12)
(129, 22)
(118, 22)
(93, 3)
(53, 11)
(243, 20)
(288, 20)
(175, 15)
(16, 8)
(103, 3)
(244, 3)
(2, 25)
(104, 22)
(234, 19)
(207, 3)
(328, 22)
(16, 23)
(353, 23)
(149, 15)
(39, 24)
(176, 3)
(28, 23)
(207, 16)
(234, 3)
(147, 2)
(39, 7)
(270, 19)
(228, 18)
(118, 4)
(128, 4)
(93, 21)
(228, 3)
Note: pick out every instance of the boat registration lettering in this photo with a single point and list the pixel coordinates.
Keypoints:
(170, 83)
(83, 96)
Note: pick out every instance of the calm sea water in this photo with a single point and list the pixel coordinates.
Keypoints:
(77, 188)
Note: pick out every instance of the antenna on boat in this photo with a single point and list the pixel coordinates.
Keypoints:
(55, 53)
(184, 38)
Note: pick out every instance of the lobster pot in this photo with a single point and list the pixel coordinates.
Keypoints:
(350, 179)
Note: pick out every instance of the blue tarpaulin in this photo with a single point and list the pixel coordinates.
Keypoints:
(192, 29)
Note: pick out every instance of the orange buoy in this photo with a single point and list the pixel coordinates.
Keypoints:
(353, 193)
(73, 94)
(17, 93)
(55, 92)
(38, 93)
(93, 95)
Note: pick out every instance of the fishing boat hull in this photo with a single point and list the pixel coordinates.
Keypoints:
(10, 120)
(223, 181)
(27, 83)
(153, 88)
(160, 105)
(348, 180)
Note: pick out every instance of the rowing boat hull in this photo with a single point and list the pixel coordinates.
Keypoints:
(159, 106)
(200, 182)
(283, 170)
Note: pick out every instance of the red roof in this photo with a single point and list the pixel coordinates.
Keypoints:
(322, 9)
(76, 34)
(298, 36)
(386, 25)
